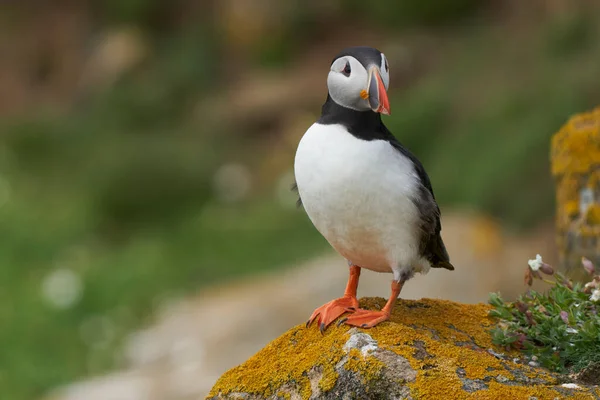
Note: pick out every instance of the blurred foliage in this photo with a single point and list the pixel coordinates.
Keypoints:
(570, 34)
(147, 14)
(161, 92)
(120, 189)
(397, 14)
(132, 215)
(303, 23)
(559, 328)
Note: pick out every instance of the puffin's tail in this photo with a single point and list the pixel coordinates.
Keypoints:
(443, 264)
(441, 258)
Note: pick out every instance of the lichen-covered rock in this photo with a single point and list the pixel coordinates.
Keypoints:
(431, 349)
(575, 158)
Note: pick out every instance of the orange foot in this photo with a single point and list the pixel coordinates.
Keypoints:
(327, 313)
(365, 318)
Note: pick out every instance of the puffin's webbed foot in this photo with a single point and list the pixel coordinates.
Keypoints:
(329, 312)
(368, 318)
(365, 318)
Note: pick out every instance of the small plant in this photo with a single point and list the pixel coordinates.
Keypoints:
(559, 329)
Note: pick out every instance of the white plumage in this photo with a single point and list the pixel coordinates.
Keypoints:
(359, 195)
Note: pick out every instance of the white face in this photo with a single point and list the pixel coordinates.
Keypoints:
(348, 78)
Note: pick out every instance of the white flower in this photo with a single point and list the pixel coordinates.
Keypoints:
(589, 285)
(536, 264)
(595, 295)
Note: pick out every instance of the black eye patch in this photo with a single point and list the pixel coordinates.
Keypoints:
(346, 71)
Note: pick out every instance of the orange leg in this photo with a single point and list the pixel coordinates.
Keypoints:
(328, 312)
(367, 318)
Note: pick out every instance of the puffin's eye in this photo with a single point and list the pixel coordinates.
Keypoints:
(386, 66)
(346, 71)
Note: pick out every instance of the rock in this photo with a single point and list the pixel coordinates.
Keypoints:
(431, 349)
(575, 157)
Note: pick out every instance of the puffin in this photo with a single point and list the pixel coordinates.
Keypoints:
(363, 191)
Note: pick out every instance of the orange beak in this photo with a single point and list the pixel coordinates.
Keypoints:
(378, 99)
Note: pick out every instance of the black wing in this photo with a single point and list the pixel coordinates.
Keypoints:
(431, 244)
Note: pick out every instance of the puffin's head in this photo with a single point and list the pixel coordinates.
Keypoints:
(359, 78)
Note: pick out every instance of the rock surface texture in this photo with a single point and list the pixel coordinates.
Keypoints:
(575, 157)
(431, 349)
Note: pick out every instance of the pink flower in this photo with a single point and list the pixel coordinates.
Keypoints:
(564, 316)
(588, 265)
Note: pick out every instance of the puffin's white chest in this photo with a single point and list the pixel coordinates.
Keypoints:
(359, 195)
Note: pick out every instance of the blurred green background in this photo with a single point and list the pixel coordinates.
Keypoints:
(146, 147)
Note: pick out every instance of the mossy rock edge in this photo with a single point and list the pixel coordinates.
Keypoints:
(430, 349)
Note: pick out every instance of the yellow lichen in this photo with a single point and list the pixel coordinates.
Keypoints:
(571, 209)
(284, 395)
(328, 380)
(290, 357)
(454, 336)
(592, 216)
(367, 370)
(575, 147)
(575, 158)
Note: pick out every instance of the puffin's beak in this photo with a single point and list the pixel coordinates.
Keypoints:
(378, 99)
